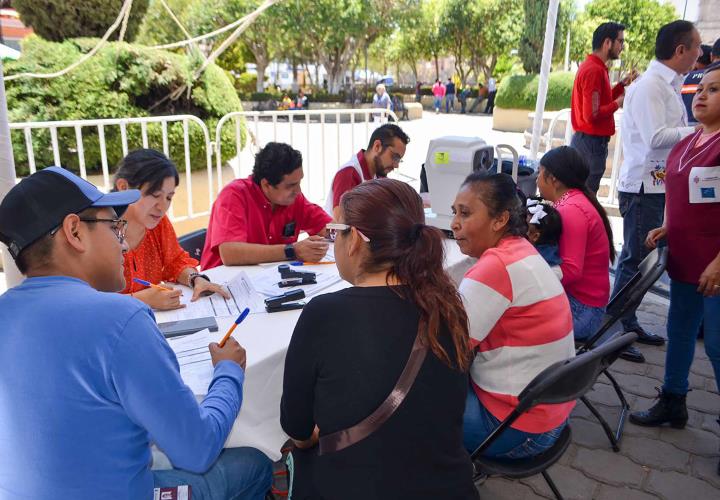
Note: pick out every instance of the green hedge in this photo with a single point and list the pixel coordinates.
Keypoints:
(122, 80)
(520, 91)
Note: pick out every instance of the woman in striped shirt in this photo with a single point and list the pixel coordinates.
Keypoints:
(519, 318)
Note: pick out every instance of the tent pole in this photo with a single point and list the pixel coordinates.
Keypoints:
(544, 74)
(7, 180)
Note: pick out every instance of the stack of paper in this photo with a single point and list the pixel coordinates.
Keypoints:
(242, 295)
(193, 355)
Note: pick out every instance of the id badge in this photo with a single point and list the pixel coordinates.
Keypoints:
(289, 230)
(704, 185)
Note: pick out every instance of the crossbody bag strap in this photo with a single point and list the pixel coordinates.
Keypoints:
(342, 439)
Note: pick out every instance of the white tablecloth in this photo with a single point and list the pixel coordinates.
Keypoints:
(266, 337)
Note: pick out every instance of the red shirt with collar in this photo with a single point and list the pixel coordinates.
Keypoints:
(242, 213)
(347, 178)
(592, 77)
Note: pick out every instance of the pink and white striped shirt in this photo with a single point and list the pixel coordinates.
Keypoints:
(520, 323)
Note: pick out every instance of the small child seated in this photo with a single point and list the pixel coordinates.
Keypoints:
(544, 229)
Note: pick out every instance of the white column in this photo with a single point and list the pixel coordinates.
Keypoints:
(544, 74)
(7, 180)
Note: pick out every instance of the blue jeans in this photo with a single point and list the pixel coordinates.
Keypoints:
(449, 102)
(437, 102)
(641, 213)
(478, 423)
(595, 149)
(586, 319)
(687, 309)
(238, 474)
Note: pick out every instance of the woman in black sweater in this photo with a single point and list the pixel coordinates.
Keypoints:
(350, 347)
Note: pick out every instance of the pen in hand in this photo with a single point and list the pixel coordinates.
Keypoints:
(239, 320)
(153, 285)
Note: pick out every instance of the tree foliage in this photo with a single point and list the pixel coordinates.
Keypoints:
(122, 80)
(533, 38)
(496, 33)
(158, 27)
(642, 20)
(57, 20)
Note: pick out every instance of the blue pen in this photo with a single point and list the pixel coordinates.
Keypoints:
(239, 320)
(147, 283)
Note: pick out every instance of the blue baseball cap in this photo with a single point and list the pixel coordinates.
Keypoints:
(40, 202)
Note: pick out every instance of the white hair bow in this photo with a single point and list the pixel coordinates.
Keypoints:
(537, 210)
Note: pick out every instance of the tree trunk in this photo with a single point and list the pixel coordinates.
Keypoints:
(261, 66)
(437, 67)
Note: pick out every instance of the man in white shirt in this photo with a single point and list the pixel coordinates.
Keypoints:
(492, 90)
(653, 121)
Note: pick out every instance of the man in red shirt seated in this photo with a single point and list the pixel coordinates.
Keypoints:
(384, 153)
(594, 102)
(258, 219)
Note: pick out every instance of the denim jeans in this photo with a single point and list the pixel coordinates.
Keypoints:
(449, 102)
(437, 102)
(687, 309)
(478, 423)
(586, 319)
(595, 149)
(641, 213)
(238, 474)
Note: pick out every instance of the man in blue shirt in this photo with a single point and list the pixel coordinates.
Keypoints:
(88, 381)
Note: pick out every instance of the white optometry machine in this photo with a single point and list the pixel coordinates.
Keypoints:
(449, 161)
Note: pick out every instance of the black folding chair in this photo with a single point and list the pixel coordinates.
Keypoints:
(628, 298)
(193, 243)
(559, 383)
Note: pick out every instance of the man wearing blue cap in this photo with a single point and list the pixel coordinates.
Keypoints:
(88, 381)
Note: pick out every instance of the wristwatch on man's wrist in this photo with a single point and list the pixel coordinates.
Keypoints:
(289, 251)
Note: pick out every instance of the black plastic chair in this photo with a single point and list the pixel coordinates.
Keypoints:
(629, 297)
(559, 383)
(193, 243)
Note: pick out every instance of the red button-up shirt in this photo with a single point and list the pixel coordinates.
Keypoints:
(242, 213)
(592, 77)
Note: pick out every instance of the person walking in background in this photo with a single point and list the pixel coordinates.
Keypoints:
(462, 97)
(654, 121)
(418, 91)
(491, 91)
(381, 99)
(449, 96)
(438, 90)
(709, 55)
(594, 102)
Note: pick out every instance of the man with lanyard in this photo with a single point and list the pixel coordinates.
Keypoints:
(654, 121)
(89, 382)
(594, 102)
(689, 88)
(384, 153)
(258, 219)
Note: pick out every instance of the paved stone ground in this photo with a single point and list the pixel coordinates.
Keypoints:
(652, 462)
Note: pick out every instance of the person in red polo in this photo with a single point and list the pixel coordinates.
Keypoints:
(594, 102)
(384, 153)
(258, 219)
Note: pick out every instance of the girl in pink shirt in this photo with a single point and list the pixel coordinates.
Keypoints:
(586, 243)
